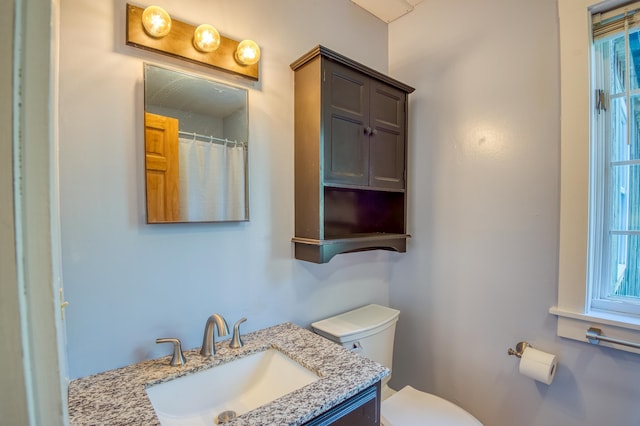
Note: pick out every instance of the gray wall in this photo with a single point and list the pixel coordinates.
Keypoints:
(127, 282)
(481, 269)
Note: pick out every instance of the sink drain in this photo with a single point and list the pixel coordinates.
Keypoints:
(226, 416)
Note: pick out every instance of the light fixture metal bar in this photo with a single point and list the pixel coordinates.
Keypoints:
(178, 43)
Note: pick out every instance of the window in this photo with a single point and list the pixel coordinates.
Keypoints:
(614, 187)
(599, 252)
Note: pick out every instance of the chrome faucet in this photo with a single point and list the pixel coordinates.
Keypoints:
(208, 340)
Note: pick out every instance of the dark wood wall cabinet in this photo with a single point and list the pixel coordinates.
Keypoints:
(350, 157)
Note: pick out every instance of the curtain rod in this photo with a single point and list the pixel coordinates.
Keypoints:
(212, 139)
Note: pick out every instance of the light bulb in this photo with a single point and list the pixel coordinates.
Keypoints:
(156, 21)
(206, 38)
(248, 52)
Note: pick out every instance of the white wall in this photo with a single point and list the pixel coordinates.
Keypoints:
(481, 269)
(128, 282)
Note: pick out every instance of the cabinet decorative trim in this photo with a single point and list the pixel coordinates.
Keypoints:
(328, 53)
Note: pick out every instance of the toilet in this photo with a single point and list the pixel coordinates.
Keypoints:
(370, 331)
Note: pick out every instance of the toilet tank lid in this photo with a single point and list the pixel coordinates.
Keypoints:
(356, 324)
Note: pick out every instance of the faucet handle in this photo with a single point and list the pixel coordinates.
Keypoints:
(178, 357)
(236, 341)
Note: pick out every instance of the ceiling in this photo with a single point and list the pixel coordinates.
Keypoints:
(190, 93)
(388, 10)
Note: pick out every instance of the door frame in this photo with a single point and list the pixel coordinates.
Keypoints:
(30, 261)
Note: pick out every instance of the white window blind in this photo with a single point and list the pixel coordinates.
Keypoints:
(614, 21)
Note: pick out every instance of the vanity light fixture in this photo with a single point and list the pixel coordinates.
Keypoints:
(206, 38)
(156, 21)
(202, 45)
(248, 52)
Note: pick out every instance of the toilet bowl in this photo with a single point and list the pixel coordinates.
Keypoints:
(370, 331)
(411, 407)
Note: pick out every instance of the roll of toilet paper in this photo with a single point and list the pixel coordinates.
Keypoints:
(538, 365)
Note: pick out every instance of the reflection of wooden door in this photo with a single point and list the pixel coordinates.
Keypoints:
(161, 168)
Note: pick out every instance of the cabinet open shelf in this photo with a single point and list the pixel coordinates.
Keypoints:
(354, 212)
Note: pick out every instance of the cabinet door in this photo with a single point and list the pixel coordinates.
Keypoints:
(362, 409)
(346, 118)
(387, 142)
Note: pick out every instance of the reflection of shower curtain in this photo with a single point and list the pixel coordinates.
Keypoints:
(212, 181)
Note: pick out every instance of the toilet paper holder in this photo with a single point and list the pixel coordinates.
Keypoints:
(534, 363)
(520, 347)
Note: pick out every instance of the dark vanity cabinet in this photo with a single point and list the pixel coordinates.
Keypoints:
(362, 409)
(350, 157)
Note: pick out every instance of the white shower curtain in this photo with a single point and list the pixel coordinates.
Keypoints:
(212, 181)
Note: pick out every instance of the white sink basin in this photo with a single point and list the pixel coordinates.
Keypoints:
(238, 386)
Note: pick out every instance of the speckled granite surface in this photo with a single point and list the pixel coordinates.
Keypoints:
(118, 397)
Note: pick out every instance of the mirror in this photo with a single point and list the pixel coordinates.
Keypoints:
(196, 145)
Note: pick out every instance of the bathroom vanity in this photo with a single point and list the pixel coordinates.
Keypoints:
(347, 391)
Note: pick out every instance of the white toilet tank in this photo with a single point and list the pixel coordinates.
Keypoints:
(369, 330)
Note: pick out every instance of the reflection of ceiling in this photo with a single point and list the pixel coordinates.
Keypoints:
(171, 89)
(388, 10)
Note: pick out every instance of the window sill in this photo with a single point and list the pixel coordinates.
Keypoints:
(574, 325)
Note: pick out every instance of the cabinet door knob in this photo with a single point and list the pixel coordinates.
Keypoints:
(367, 130)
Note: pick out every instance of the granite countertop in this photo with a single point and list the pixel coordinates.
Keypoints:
(118, 397)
